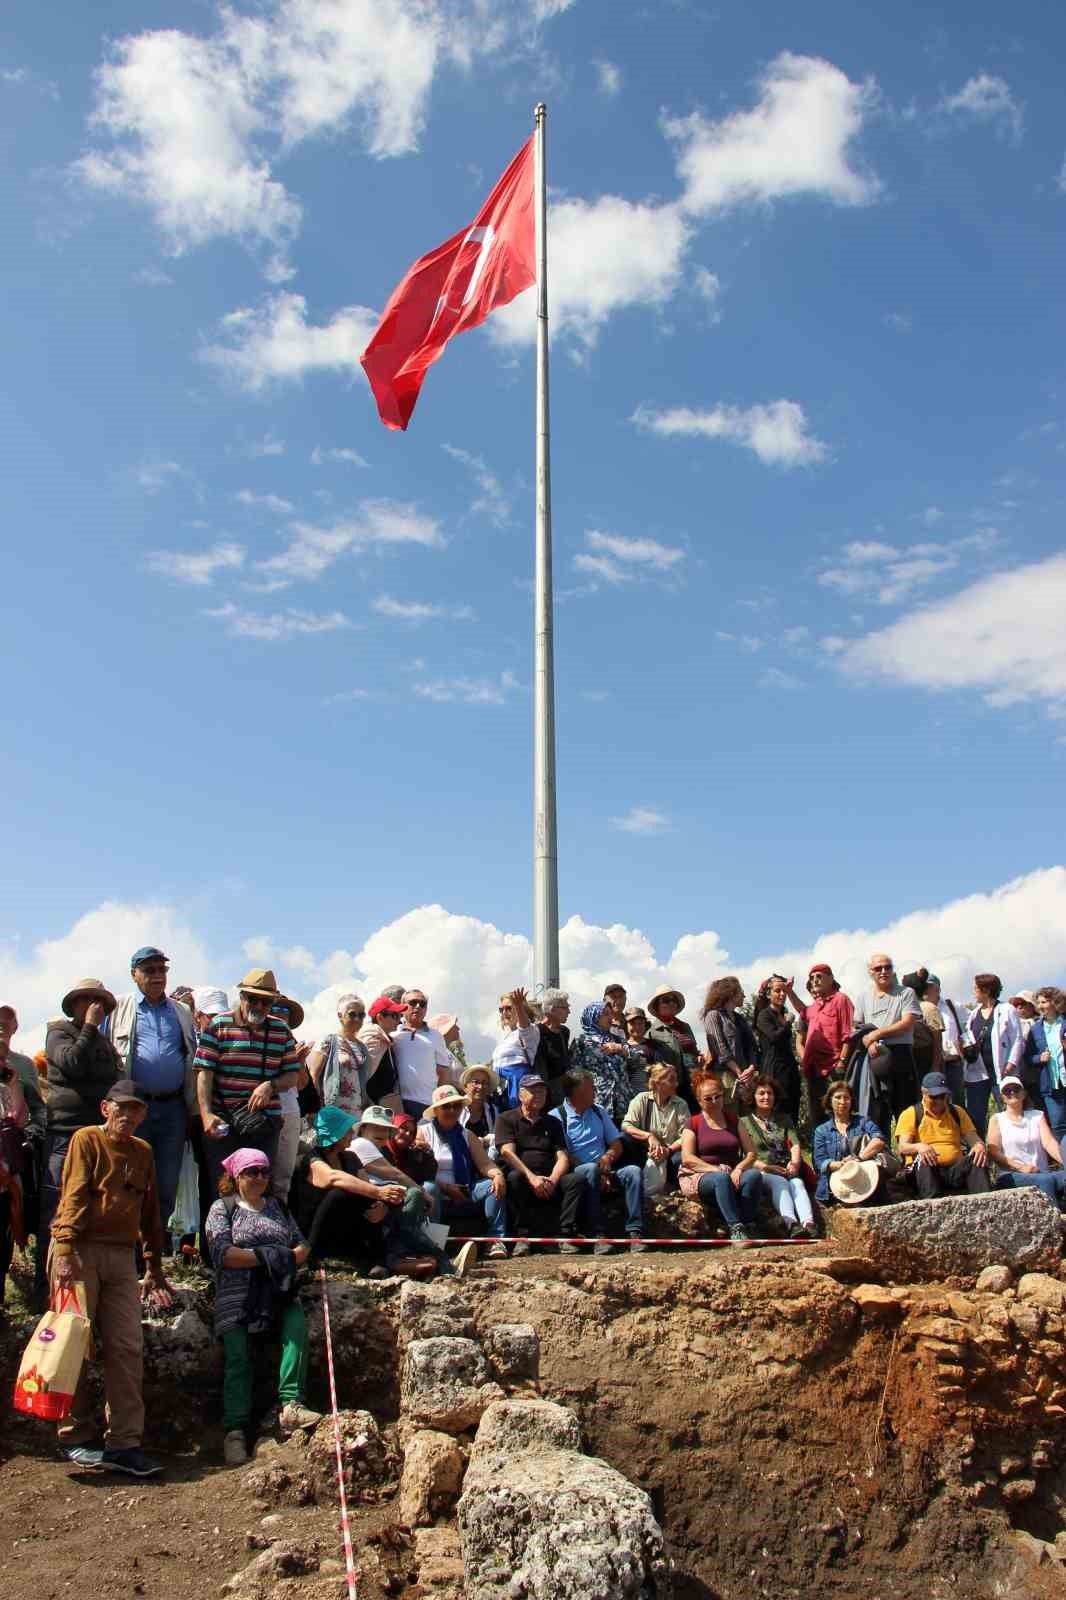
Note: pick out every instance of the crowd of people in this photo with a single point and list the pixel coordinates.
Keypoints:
(378, 1142)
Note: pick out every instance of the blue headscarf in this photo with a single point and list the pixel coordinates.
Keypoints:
(590, 1020)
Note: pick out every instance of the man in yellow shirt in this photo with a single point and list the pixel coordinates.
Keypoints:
(942, 1148)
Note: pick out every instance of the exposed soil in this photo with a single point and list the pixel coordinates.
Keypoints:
(795, 1441)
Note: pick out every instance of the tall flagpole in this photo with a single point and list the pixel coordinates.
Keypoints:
(545, 849)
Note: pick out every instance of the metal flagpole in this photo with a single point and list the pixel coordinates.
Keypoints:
(545, 849)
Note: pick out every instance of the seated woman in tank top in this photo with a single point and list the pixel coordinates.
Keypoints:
(1022, 1145)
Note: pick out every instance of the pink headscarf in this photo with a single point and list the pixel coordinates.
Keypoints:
(243, 1158)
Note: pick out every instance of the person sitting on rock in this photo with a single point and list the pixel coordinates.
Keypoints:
(657, 1118)
(405, 1225)
(1022, 1145)
(516, 1050)
(342, 1213)
(543, 1193)
(714, 1166)
(413, 1159)
(597, 1150)
(469, 1186)
(943, 1151)
(843, 1137)
(256, 1249)
(770, 1137)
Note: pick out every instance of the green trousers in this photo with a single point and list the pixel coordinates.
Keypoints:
(239, 1370)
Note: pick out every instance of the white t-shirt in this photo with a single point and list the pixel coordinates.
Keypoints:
(430, 1134)
(1021, 1140)
(417, 1057)
(368, 1151)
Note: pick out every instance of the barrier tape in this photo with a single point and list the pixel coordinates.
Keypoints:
(346, 1531)
(626, 1239)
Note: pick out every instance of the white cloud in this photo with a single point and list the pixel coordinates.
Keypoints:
(608, 77)
(749, 642)
(543, 10)
(418, 611)
(276, 625)
(987, 99)
(797, 140)
(491, 500)
(468, 691)
(641, 819)
(197, 567)
(153, 476)
(463, 963)
(773, 678)
(274, 342)
(606, 256)
(1002, 637)
(888, 574)
(153, 277)
(265, 502)
(617, 559)
(319, 456)
(778, 432)
(314, 547)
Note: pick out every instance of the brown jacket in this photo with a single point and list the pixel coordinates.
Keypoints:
(108, 1196)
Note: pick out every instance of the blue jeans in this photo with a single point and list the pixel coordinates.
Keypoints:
(164, 1129)
(1053, 1184)
(977, 1103)
(482, 1201)
(1055, 1111)
(631, 1182)
(736, 1205)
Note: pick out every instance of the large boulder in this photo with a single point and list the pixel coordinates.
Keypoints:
(513, 1425)
(432, 1477)
(957, 1236)
(446, 1384)
(541, 1524)
(514, 1350)
(438, 1309)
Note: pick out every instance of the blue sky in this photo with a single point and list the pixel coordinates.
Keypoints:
(269, 664)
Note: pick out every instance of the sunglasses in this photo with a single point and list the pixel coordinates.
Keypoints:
(1008, 1092)
(255, 1172)
(356, 1016)
(417, 1005)
(888, 967)
(712, 1099)
(156, 969)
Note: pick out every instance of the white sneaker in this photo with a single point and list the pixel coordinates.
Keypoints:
(235, 1448)
(497, 1251)
(466, 1259)
(295, 1415)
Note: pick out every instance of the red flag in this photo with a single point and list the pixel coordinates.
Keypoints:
(452, 288)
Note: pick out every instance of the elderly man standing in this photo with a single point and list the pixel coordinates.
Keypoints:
(595, 1147)
(893, 1010)
(245, 1059)
(545, 1194)
(108, 1203)
(423, 1060)
(156, 1040)
(825, 1025)
(552, 1059)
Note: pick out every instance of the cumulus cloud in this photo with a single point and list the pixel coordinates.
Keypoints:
(275, 626)
(490, 500)
(419, 611)
(778, 432)
(314, 547)
(962, 643)
(274, 342)
(986, 98)
(886, 574)
(797, 139)
(196, 566)
(463, 963)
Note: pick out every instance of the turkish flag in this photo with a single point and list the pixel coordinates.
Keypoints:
(452, 288)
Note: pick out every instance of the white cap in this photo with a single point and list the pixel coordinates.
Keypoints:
(210, 1001)
(1011, 1081)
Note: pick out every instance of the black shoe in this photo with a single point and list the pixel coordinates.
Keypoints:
(134, 1461)
(85, 1455)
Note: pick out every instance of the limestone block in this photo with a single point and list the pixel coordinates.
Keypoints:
(959, 1235)
(432, 1477)
(514, 1350)
(446, 1384)
(514, 1425)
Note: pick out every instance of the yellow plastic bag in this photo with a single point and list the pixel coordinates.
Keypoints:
(52, 1362)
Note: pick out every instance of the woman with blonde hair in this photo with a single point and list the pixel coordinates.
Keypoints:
(657, 1118)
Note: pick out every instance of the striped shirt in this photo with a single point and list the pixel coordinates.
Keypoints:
(241, 1059)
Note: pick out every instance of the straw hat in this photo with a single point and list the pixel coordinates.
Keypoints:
(479, 1066)
(295, 1010)
(445, 1094)
(91, 988)
(261, 981)
(855, 1181)
(660, 994)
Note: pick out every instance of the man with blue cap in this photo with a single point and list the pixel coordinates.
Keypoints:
(156, 1041)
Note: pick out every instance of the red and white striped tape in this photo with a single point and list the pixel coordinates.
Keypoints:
(627, 1239)
(346, 1531)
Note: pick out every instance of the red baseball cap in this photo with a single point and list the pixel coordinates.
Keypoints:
(384, 1007)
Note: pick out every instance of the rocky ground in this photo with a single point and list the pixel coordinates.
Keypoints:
(800, 1420)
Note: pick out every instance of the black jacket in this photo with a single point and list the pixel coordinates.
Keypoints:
(82, 1066)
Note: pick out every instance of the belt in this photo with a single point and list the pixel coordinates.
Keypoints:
(171, 1094)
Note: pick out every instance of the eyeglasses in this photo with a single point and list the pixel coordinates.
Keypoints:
(156, 969)
(887, 967)
(712, 1099)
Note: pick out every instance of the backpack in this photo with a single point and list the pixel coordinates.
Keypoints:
(919, 1113)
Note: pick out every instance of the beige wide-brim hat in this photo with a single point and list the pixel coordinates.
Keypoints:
(88, 988)
(261, 981)
(855, 1181)
(660, 994)
(295, 1009)
(482, 1066)
(445, 1095)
